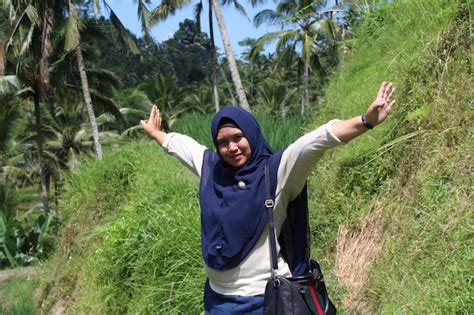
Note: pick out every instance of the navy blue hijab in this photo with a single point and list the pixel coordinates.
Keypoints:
(233, 216)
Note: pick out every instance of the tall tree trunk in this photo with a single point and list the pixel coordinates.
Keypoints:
(40, 87)
(2, 58)
(85, 86)
(39, 143)
(88, 101)
(230, 57)
(215, 91)
(305, 101)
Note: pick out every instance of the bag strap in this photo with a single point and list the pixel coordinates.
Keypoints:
(269, 204)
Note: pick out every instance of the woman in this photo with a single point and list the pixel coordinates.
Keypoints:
(235, 244)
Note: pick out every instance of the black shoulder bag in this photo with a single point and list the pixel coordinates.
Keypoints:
(306, 294)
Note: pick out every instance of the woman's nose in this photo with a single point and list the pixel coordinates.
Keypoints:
(232, 146)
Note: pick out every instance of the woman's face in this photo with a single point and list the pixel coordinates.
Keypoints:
(233, 147)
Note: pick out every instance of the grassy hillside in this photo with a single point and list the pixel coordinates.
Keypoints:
(131, 239)
(391, 212)
(394, 209)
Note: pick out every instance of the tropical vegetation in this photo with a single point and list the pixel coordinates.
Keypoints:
(114, 222)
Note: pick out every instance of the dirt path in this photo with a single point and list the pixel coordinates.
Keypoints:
(19, 272)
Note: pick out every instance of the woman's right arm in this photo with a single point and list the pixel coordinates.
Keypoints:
(184, 148)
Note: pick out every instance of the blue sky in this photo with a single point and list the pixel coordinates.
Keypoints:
(238, 26)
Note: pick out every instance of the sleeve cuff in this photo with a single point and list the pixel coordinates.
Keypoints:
(331, 134)
(167, 139)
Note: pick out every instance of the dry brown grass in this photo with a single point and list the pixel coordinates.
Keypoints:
(356, 250)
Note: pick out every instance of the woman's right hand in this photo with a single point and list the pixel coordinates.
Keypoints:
(152, 126)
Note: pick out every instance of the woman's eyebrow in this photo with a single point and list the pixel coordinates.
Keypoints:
(238, 133)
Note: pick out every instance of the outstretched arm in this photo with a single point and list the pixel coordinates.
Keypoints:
(347, 130)
(152, 126)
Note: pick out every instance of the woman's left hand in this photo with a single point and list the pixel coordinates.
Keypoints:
(381, 107)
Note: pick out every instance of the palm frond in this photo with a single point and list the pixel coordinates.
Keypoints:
(167, 8)
(325, 27)
(32, 14)
(9, 84)
(105, 118)
(308, 47)
(123, 33)
(27, 40)
(286, 55)
(270, 37)
(255, 51)
(268, 16)
(132, 131)
(103, 79)
(237, 6)
(286, 38)
(144, 15)
(72, 30)
(12, 173)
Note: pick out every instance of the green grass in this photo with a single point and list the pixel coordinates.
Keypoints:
(16, 296)
(415, 166)
(130, 240)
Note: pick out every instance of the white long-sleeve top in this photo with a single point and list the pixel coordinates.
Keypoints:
(251, 275)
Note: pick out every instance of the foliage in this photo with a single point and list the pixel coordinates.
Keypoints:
(16, 296)
(412, 167)
(25, 232)
(185, 56)
(304, 28)
(115, 254)
(131, 242)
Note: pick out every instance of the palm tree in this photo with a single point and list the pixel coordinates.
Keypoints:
(307, 29)
(32, 26)
(230, 57)
(168, 8)
(72, 42)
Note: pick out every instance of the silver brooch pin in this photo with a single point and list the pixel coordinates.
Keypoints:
(241, 185)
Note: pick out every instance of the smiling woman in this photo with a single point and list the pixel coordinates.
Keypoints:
(234, 241)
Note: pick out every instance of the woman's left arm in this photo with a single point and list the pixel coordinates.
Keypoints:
(346, 130)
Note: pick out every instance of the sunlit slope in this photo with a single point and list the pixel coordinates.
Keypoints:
(391, 212)
(394, 216)
(130, 242)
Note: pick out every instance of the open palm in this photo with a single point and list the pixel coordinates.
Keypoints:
(383, 104)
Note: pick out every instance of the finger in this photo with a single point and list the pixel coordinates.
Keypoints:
(391, 93)
(381, 89)
(158, 121)
(142, 122)
(388, 88)
(389, 106)
(392, 103)
(152, 113)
